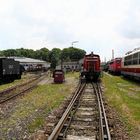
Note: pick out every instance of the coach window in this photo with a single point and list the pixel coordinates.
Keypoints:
(135, 58)
(130, 60)
(139, 57)
(125, 61)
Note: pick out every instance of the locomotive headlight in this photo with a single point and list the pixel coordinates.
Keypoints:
(84, 69)
(3, 71)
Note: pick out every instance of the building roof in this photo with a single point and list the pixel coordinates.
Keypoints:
(28, 60)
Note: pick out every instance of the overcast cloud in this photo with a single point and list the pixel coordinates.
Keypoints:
(98, 25)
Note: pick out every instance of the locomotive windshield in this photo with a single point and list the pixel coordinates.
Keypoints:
(118, 61)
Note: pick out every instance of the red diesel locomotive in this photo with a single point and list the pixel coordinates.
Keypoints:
(91, 68)
(115, 66)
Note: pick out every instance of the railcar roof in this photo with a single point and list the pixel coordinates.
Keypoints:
(117, 58)
(96, 55)
(133, 52)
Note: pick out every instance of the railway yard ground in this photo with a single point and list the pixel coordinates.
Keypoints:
(27, 117)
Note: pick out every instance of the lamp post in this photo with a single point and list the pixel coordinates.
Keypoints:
(74, 42)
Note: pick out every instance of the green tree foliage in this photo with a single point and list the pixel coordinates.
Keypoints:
(1, 53)
(42, 54)
(65, 54)
(55, 56)
(25, 52)
(73, 54)
(10, 52)
(76, 54)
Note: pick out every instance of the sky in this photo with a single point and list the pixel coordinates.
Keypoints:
(96, 25)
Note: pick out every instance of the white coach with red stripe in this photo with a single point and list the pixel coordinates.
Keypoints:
(130, 65)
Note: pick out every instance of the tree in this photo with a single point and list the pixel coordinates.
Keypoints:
(43, 54)
(9, 52)
(1, 53)
(65, 54)
(55, 57)
(22, 52)
(74, 54)
(25, 53)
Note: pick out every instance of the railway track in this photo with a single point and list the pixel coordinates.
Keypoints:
(6, 91)
(17, 90)
(84, 118)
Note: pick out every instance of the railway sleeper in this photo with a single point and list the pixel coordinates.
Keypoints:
(85, 123)
(86, 109)
(82, 127)
(85, 114)
(71, 137)
(83, 119)
(86, 104)
(83, 132)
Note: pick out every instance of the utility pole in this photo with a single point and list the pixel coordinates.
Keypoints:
(105, 59)
(112, 54)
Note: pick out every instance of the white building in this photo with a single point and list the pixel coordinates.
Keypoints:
(30, 63)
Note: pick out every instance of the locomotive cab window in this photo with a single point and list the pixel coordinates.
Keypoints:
(118, 61)
(111, 62)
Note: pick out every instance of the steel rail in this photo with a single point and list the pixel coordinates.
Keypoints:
(100, 115)
(104, 113)
(54, 135)
(104, 129)
(11, 97)
(23, 91)
(5, 91)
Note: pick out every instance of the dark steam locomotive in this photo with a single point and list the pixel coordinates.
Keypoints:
(10, 70)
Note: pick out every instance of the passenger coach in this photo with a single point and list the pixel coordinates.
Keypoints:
(131, 64)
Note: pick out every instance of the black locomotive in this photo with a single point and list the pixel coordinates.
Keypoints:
(10, 70)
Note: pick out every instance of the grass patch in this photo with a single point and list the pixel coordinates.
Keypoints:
(73, 74)
(35, 124)
(124, 95)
